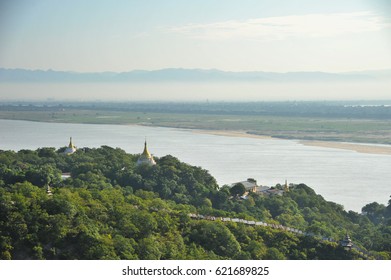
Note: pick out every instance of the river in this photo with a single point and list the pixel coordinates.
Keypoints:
(346, 177)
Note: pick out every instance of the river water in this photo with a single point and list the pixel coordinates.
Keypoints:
(346, 177)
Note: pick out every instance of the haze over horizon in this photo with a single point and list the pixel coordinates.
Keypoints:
(232, 36)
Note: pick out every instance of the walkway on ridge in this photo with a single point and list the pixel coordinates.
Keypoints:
(364, 253)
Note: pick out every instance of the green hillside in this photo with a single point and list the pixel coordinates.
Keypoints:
(110, 208)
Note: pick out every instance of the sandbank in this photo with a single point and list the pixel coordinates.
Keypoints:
(360, 148)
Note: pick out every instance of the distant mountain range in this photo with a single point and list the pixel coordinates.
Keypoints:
(184, 75)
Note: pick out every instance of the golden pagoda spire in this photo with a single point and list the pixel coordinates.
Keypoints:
(70, 143)
(70, 149)
(146, 157)
(286, 186)
(146, 152)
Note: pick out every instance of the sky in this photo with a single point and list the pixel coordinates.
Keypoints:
(242, 35)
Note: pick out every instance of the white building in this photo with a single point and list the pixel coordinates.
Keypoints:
(250, 185)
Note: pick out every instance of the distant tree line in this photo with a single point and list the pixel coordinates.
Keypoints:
(321, 109)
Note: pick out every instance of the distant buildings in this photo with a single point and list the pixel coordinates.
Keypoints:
(251, 186)
(146, 158)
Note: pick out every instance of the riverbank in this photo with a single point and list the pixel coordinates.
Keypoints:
(238, 121)
(360, 148)
(229, 159)
(131, 120)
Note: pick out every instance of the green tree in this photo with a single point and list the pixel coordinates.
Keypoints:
(215, 237)
(149, 248)
(274, 254)
(237, 190)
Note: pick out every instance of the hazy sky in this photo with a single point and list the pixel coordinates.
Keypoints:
(240, 35)
(272, 35)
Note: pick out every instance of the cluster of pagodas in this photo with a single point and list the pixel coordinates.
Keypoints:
(145, 157)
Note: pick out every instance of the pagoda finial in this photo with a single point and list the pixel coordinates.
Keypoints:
(146, 152)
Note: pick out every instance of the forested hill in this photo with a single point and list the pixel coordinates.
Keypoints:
(110, 208)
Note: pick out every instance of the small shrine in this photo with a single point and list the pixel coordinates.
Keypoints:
(48, 191)
(70, 149)
(146, 158)
(346, 242)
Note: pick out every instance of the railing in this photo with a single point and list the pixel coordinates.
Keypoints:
(364, 253)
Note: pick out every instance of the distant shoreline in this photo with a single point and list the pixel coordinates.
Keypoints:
(368, 148)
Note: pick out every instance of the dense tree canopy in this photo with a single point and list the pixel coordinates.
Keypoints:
(110, 208)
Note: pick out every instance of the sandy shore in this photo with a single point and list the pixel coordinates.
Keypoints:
(360, 148)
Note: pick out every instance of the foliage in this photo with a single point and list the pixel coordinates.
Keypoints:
(237, 190)
(111, 208)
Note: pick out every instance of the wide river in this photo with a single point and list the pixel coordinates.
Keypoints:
(346, 177)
